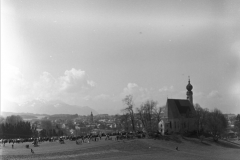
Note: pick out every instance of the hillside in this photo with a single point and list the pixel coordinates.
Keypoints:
(135, 149)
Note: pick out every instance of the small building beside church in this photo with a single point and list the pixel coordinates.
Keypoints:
(179, 114)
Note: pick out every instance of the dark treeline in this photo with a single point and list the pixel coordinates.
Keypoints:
(213, 122)
(14, 127)
(17, 130)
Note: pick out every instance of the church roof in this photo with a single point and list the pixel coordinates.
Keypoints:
(177, 108)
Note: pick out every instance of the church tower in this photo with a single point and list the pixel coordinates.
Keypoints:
(91, 118)
(189, 88)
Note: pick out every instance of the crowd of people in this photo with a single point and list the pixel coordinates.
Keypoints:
(79, 139)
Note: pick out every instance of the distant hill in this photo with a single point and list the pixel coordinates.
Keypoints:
(23, 115)
(43, 108)
(62, 116)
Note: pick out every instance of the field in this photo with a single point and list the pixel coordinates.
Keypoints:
(128, 149)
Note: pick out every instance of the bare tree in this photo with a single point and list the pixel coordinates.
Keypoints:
(216, 123)
(201, 115)
(128, 100)
(126, 122)
(237, 124)
(140, 112)
(158, 111)
(149, 115)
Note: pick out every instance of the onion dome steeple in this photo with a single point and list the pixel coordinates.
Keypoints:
(189, 87)
(189, 94)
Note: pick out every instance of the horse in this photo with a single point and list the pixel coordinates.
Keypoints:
(61, 141)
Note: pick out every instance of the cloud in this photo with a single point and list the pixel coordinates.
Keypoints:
(131, 88)
(165, 88)
(72, 87)
(46, 81)
(47, 87)
(75, 81)
(214, 94)
(91, 83)
(139, 93)
(13, 84)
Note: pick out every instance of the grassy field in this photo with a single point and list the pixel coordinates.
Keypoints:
(128, 149)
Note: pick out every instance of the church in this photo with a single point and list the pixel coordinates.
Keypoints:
(179, 114)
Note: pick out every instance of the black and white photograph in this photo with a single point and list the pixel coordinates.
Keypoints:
(120, 79)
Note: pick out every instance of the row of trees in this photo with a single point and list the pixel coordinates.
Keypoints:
(14, 127)
(213, 122)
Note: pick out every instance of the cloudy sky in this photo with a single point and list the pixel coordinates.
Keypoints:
(94, 53)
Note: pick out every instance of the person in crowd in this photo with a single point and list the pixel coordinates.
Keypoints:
(82, 139)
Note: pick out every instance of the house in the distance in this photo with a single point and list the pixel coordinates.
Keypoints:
(179, 114)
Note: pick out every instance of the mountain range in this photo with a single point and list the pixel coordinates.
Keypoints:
(49, 108)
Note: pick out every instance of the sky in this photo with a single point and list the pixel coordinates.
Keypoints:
(94, 53)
